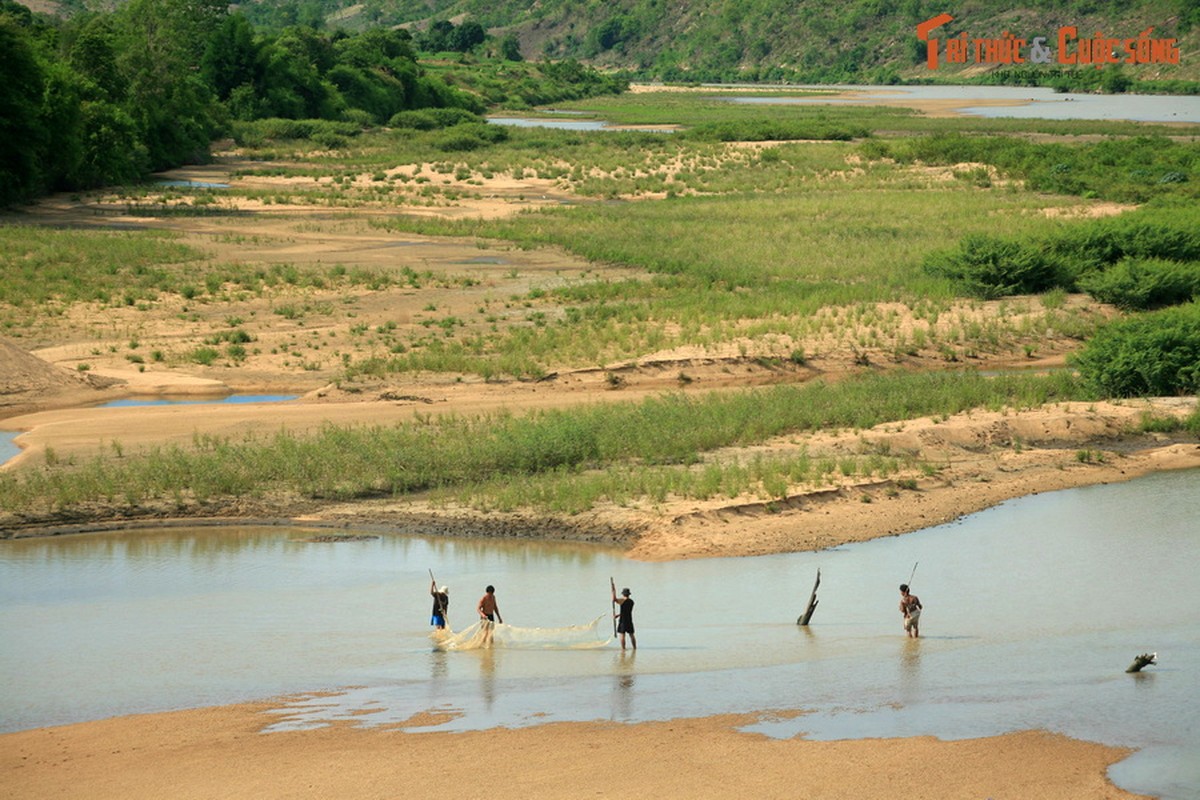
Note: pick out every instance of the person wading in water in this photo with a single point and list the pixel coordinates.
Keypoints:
(625, 617)
(489, 611)
(441, 604)
(910, 607)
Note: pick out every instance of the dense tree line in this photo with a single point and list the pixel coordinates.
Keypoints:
(106, 98)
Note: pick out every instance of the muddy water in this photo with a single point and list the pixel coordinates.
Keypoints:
(1033, 611)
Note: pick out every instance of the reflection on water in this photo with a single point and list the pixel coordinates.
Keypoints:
(1032, 612)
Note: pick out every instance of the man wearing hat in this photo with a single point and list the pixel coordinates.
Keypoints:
(625, 617)
(441, 603)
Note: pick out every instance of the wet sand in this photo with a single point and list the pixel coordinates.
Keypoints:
(220, 752)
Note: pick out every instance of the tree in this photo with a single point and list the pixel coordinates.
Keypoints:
(93, 54)
(162, 43)
(231, 57)
(21, 131)
(510, 48)
(467, 36)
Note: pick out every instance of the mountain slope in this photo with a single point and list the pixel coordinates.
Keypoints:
(765, 39)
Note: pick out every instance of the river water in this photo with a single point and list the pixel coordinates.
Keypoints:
(1028, 102)
(1033, 611)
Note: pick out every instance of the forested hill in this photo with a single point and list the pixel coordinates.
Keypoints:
(813, 40)
(753, 40)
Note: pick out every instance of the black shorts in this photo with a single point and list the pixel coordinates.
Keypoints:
(624, 626)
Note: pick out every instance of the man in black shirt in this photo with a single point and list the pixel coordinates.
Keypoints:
(625, 617)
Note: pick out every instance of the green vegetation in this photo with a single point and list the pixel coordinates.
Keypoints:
(105, 98)
(1155, 354)
(1141, 259)
(46, 270)
(799, 41)
(1123, 169)
(469, 452)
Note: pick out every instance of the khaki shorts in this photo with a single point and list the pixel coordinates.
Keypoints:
(912, 619)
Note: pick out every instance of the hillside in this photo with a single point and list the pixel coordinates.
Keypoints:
(766, 39)
(754, 40)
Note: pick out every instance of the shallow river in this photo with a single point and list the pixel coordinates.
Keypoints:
(1029, 102)
(1033, 611)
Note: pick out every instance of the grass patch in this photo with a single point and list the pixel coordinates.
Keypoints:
(657, 437)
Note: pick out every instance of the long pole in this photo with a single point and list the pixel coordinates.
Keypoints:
(613, 584)
(910, 576)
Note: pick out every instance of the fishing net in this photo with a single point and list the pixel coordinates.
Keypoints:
(572, 637)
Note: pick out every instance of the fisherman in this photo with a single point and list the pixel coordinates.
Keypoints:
(910, 607)
(441, 604)
(489, 611)
(625, 617)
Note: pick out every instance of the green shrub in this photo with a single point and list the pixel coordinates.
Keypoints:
(990, 267)
(1137, 284)
(416, 120)
(1155, 354)
(1100, 243)
(470, 136)
(205, 355)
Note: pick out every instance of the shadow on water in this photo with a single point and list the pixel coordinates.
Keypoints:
(1033, 609)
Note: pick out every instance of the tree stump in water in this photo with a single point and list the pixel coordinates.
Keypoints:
(1144, 660)
(812, 603)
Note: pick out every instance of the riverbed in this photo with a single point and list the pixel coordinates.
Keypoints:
(1033, 610)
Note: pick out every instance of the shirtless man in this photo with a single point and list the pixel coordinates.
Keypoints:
(489, 611)
(910, 607)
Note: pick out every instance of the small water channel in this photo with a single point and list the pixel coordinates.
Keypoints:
(233, 399)
(9, 448)
(1033, 611)
(576, 124)
(8, 445)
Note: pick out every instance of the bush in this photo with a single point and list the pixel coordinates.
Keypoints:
(321, 131)
(428, 119)
(1138, 284)
(415, 120)
(1104, 242)
(989, 267)
(470, 136)
(1156, 354)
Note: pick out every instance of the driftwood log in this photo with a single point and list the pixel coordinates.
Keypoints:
(1144, 660)
(812, 603)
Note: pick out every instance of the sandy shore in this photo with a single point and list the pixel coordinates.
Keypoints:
(220, 752)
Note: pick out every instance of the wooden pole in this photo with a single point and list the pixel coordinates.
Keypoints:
(613, 584)
(812, 603)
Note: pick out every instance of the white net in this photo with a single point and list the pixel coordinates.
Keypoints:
(489, 634)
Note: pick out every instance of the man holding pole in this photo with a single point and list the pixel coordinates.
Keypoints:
(910, 607)
(441, 603)
(624, 616)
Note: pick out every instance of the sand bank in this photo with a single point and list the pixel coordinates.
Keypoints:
(220, 752)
